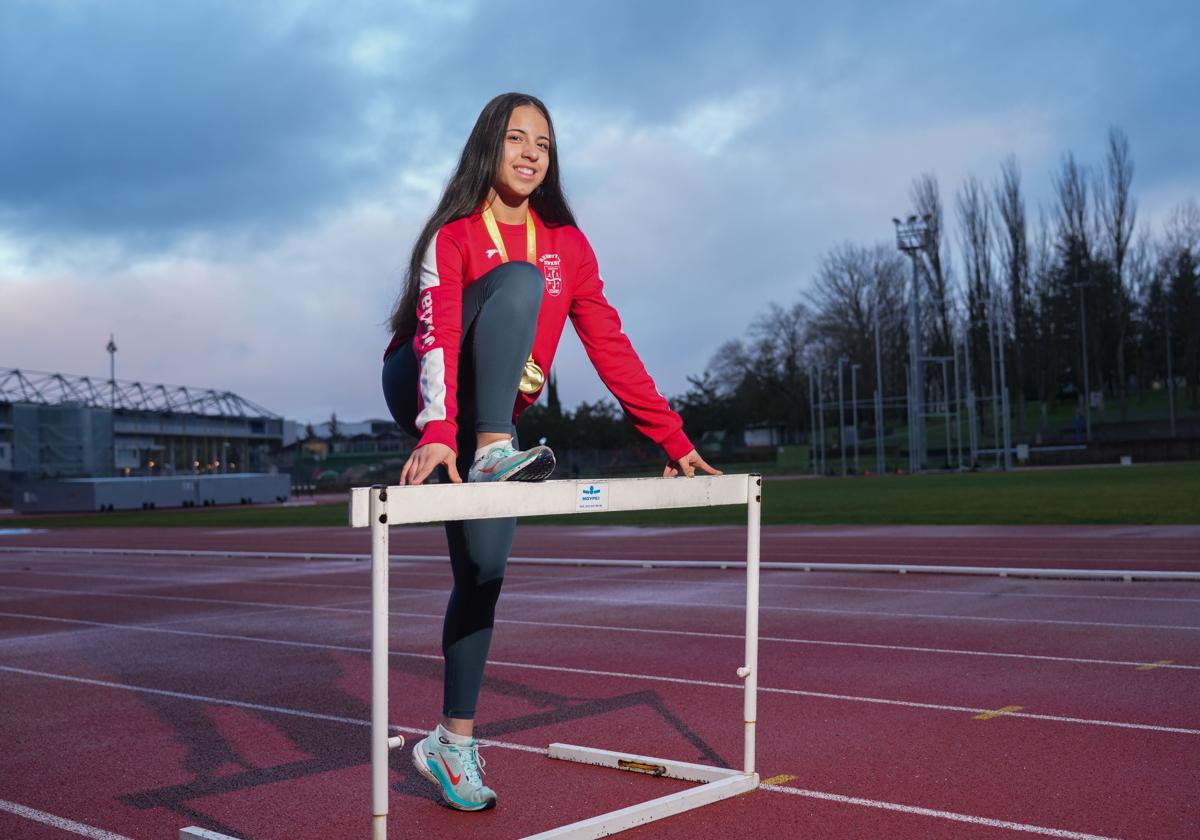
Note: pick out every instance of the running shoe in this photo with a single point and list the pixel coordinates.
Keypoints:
(503, 463)
(456, 770)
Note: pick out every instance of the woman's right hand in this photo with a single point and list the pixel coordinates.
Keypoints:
(425, 459)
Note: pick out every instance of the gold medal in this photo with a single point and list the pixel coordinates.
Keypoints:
(533, 377)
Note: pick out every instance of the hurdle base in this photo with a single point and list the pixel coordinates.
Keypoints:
(194, 832)
(717, 784)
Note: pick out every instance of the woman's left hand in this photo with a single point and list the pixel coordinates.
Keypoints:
(688, 465)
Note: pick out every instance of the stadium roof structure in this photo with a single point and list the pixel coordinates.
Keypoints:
(17, 386)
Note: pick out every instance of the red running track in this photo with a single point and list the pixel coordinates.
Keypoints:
(142, 693)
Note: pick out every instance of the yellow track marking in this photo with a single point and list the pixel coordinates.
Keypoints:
(1156, 664)
(999, 712)
(778, 780)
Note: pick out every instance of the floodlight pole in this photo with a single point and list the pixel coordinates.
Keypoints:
(841, 415)
(821, 416)
(958, 397)
(946, 405)
(1170, 372)
(913, 237)
(1087, 388)
(812, 413)
(880, 465)
(854, 412)
(112, 371)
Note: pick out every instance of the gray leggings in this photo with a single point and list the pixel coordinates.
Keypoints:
(498, 322)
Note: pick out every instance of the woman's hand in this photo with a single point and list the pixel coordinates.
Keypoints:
(425, 459)
(688, 465)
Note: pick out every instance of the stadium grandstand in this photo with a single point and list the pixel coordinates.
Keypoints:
(55, 425)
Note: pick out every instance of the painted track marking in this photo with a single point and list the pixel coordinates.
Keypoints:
(832, 797)
(498, 663)
(1001, 712)
(1150, 666)
(778, 780)
(59, 822)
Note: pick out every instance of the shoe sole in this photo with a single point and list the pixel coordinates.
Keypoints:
(418, 761)
(538, 469)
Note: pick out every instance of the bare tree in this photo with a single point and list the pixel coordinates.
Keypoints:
(1073, 235)
(1118, 214)
(975, 242)
(765, 373)
(1044, 300)
(850, 280)
(1140, 273)
(1180, 265)
(927, 204)
(1011, 238)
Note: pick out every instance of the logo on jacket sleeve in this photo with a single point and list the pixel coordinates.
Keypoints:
(551, 266)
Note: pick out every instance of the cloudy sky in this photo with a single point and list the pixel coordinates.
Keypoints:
(232, 189)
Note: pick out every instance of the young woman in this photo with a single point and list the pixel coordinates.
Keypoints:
(494, 276)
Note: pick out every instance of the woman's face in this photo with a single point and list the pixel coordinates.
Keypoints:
(526, 155)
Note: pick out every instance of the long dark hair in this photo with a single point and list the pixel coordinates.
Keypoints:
(469, 186)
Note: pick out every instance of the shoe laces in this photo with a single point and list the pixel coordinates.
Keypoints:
(471, 761)
(498, 454)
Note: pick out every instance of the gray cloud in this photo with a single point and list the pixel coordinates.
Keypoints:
(232, 188)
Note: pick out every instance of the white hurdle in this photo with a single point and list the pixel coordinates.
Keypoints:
(381, 507)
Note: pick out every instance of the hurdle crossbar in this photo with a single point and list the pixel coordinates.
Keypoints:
(381, 507)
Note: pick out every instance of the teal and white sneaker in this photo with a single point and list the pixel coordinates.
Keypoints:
(503, 463)
(456, 770)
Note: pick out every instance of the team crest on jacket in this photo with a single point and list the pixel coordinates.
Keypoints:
(550, 268)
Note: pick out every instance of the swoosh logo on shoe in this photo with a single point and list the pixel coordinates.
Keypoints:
(453, 779)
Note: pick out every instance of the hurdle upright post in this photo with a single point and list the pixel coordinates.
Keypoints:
(750, 668)
(380, 744)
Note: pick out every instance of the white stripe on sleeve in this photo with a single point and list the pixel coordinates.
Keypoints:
(433, 388)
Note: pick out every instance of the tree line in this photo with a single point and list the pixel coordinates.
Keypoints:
(1081, 292)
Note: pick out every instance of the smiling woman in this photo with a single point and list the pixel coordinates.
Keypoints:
(494, 276)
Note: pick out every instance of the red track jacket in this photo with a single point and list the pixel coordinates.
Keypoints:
(460, 254)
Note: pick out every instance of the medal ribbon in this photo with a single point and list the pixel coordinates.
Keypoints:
(530, 236)
(533, 376)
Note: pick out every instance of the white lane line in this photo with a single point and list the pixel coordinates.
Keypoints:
(834, 797)
(656, 602)
(562, 669)
(931, 812)
(59, 822)
(610, 628)
(804, 564)
(523, 578)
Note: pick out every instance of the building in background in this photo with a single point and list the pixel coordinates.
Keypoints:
(55, 425)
